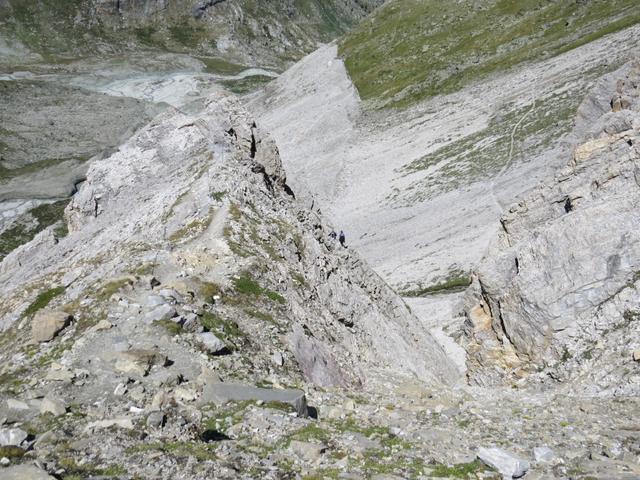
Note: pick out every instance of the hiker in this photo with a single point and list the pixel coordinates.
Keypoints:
(342, 238)
(333, 235)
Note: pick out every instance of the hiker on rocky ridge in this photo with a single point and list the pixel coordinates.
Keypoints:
(342, 239)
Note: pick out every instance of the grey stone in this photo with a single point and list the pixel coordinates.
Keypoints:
(277, 359)
(221, 393)
(13, 404)
(139, 362)
(12, 436)
(156, 419)
(155, 300)
(507, 464)
(162, 312)
(25, 472)
(47, 324)
(212, 343)
(543, 454)
(124, 423)
(172, 294)
(307, 451)
(53, 406)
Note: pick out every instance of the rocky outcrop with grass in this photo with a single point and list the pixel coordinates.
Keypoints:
(558, 289)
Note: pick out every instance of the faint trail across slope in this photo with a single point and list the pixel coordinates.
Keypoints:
(499, 207)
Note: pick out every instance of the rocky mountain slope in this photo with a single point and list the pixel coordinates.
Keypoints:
(188, 314)
(188, 262)
(243, 31)
(558, 289)
(79, 77)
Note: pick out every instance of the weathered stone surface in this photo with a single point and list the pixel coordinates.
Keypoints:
(308, 451)
(139, 362)
(221, 393)
(48, 323)
(562, 275)
(505, 463)
(124, 423)
(24, 472)
(156, 419)
(162, 312)
(543, 454)
(14, 404)
(53, 406)
(212, 343)
(101, 326)
(12, 436)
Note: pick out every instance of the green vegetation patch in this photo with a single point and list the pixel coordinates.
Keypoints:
(248, 84)
(43, 299)
(112, 287)
(226, 330)
(460, 470)
(410, 50)
(245, 285)
(455, 283)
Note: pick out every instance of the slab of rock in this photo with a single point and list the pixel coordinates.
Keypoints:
(636, 355)
(53, 406)
(12, 437)
(172, 294)
(25, 472)
(543, 454)
(125, 423)
(221, 393)
(139, 361)
(101, 325)
(47, 324)
(309, 452)
(212, 343)
(13, 404)
(507, 464)
(163, 312)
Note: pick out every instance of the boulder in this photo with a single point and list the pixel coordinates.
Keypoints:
(124, 423)
(139, 362)
(162, 312)
(12, 437)
(101, 325)
(221, 393)
(25, 472)
(543, 454)
(507, 464)
(13, 404)
(53, 406)
(307, 451)
(156, 419)
(47, 324)
(212, 343)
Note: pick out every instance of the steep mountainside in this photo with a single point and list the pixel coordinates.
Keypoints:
(558, 289)
(420, 190)
(65, 67)
(413, 49)
(245, 31)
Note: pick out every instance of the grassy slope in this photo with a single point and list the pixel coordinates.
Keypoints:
(412, 49)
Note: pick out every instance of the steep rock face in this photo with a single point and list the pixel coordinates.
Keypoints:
(558, 290)
(201, 202)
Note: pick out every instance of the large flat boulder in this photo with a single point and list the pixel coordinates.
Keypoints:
(221, 393)
(47, 324)
(24, 472)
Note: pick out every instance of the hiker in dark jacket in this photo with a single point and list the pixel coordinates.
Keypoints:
(342, 238)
